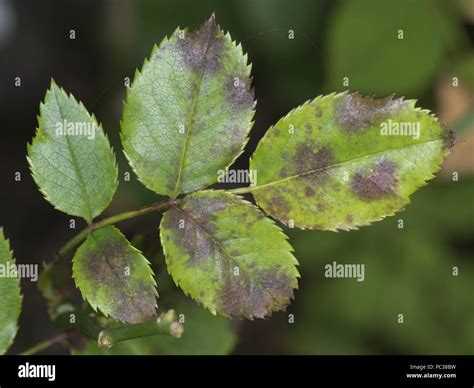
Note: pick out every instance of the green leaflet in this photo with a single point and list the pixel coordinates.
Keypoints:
(70, 157)
(10, 298)
(114, 277)
(328, 164)
(228, 256)
(204, 334)
(189, 111)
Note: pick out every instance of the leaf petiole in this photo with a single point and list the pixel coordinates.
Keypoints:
(166, 324)
(241, 190)
(76, 240)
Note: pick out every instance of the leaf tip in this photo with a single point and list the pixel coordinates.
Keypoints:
(53, 84)
(212, 18)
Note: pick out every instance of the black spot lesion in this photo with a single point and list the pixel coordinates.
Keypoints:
(269, 291)
(309, 159)
(281, 205)
(202, 49)
(192, 225)
(354, 112)
(136, 307)
(309, 192)
(133, 302)
(283, 173)
(104, 269)
(276, 204)
(378, 183)
(189, 237)
(200, 205)
(239, 93)
(312, 157)
(310, 164)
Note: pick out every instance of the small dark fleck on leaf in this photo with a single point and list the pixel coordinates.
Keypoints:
(308, 191)
(281, 204)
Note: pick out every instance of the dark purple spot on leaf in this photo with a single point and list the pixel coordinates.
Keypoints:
(308, 191)
(202, 49)
(192, 237)
(239, 93)
(355, 112)
(281, 205)
(311, 163)
(377, 184)
(139, 306)
(134, 302)
(311, 158)
(245, 296)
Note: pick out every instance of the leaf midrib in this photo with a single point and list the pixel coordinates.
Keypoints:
(191, 115)
(222, 248)
(125, 285)
(335, 165)
(77, 170)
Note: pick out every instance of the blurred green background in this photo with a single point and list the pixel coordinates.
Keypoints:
(408, 271)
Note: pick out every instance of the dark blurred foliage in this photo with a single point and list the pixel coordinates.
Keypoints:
(408, 271)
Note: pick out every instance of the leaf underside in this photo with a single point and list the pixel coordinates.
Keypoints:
(224, 253)
(70, 157)
(10, 298)
(189, 110)
(330, 165)
(114, 277)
